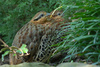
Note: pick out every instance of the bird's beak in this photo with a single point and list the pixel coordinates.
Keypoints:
(47, 14)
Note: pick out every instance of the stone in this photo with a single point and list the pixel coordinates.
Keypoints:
(33, 64)
(76, 65)
(40, 64)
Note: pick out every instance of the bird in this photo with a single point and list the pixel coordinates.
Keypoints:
(30, 34)
(39, 34)
(51, 36)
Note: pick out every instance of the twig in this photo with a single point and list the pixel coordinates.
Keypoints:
(4, 43)
(55, 11)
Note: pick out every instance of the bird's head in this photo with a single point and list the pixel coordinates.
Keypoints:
(40, 18)
(57, 16)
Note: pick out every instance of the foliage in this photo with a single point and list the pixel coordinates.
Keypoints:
(15, 13)
(14, 50)
(83, 34)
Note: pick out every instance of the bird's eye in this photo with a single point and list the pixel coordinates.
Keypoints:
(41, 15)
(58, 13)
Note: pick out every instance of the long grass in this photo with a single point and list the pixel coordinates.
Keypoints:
(83, 34)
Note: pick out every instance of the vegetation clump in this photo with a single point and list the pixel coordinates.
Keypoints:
(82, 35)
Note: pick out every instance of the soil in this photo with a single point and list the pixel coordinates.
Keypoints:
(6, 60)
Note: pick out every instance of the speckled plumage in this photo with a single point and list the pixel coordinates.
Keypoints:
(39, 34)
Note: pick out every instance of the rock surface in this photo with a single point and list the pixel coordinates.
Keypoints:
(39, 64)
(34, 64)
(76, 65)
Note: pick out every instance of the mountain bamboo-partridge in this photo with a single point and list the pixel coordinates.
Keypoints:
(39, 34)
(52, 36)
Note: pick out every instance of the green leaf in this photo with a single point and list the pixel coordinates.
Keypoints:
(3, 49)
(83, 37)
(23, 48)
(18, 51)
(87, 47)
(13, 47)
(3, 55)
(14, 54)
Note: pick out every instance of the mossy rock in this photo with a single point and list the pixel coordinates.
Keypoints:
(33, 64)
(76, 65)
(39, 64)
